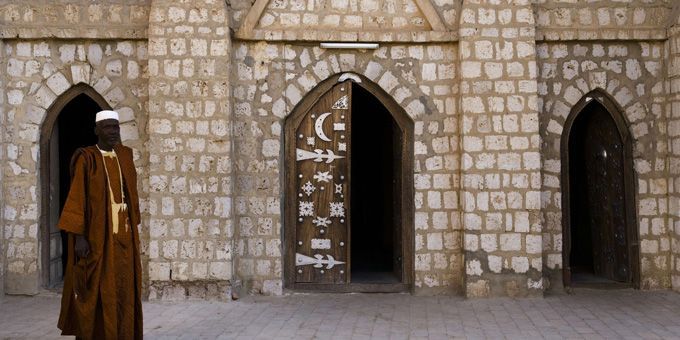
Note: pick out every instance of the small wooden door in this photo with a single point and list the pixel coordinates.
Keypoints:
(603, 155)
(322, 176)
(599, 222)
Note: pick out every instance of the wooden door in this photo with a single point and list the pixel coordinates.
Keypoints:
(322, 163)
(605, 187)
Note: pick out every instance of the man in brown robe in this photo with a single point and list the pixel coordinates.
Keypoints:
(102, 284)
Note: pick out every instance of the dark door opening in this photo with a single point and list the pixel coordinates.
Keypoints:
(599, 225)
(74, 128)
(375, 187)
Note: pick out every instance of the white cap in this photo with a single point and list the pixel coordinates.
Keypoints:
(106, 114)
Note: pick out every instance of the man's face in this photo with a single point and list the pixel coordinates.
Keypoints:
(108, 131)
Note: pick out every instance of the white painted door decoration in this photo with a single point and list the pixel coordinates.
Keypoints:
(318, 127)
(317, 261)
(308, 188)
(341, 104)
(323, 176)
(317, 155)
(321, 243)
(321, 221)
(306, 208)
(337, 209)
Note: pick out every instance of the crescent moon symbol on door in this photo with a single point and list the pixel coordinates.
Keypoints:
(318, 127)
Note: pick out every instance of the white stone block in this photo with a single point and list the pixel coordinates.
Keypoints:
(271, 148)
(434, 241)
(484, 49)
(489, 242)
(493, 70)
(472, 222)
(473, 267)
(520, 264)
(159, 271)
(511, 242)
(495, 263)
(80, 73)
(534, 244)
(471, 69)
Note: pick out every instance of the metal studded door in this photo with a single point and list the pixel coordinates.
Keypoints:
(603, 153)
(321, 181)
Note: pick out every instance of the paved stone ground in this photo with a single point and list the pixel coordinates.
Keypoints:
(590, 314)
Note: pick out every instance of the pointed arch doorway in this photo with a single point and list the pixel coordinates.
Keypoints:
(600, 233)
(349, 190)
(69, 124)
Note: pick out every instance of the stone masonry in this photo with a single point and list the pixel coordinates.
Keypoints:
(673, 114)
(488, 84)
(39, 71)
(272, 78)
(501, 160)
(190, 189)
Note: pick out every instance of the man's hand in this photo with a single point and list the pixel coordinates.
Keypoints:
(82, 246)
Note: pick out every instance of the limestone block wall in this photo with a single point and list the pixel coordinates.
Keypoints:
(673, 112)
(358, 15)
(601, 19)
(632, 73)
(347, 20)
(74, 19)
(38, 72)
(190, 189)
(2, 161)
(270, 78)
(500, 150)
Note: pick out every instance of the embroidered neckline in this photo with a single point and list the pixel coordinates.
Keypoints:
(115, 207)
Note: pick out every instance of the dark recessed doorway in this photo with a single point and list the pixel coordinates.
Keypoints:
(69, 126)
(600, 234)
(375, 250)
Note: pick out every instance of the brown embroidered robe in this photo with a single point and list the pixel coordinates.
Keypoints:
(102, 292)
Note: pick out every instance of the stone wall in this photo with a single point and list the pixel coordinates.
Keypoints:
(74, 19)
(2, 161)
(632, 73)
(38, 72)
(345, 20)
(601, 19)
(272, 77)
(673, 112)
(500, 145)
(190, 189)
(487, 99)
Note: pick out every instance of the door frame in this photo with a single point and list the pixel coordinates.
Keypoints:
(51, 117)
(405, 124)
(616, 113)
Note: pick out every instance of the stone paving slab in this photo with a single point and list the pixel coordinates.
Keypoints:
(587, 314)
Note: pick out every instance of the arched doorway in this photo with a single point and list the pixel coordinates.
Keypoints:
(599, 225)
(69, 125)
(349, 190)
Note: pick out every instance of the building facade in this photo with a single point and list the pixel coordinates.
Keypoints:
(484, 148)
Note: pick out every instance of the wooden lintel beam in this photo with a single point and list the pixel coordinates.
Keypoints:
(431, 15)
(252, 18)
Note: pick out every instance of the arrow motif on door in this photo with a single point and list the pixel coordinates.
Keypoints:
(317, 261)
(318, 155)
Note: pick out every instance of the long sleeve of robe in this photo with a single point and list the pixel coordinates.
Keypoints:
(94, 303)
